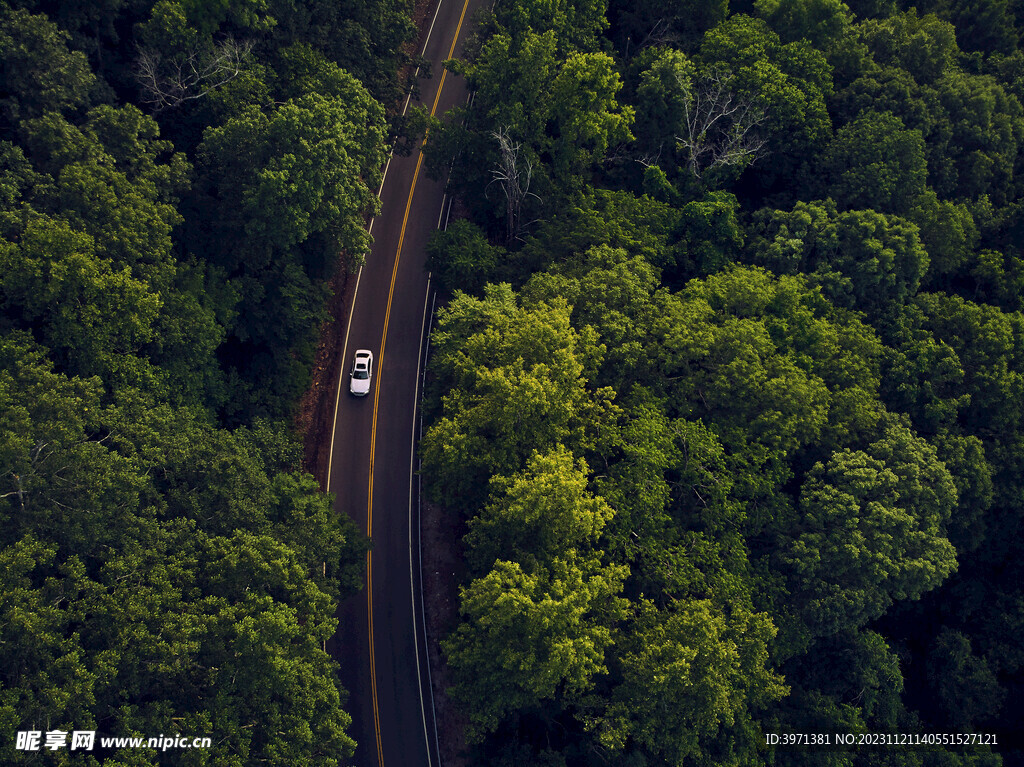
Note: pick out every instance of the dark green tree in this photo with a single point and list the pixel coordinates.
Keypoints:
(40, 73)
(862, 259)
(875, 163)
(870, 530)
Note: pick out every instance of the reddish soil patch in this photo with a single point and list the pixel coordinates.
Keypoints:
(315, 418)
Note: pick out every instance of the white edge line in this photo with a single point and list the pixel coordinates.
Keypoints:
(419, 540)
(334, 429)
(426, 40)
(424, 354)
(444, 201)
(423, 51)
(412, 579)
(341, 377)
(412, 458)
(417, 433)
(352, 309)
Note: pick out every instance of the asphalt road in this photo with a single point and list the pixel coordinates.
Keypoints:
(380, 639)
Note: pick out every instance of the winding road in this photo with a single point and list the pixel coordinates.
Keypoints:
(380, 642)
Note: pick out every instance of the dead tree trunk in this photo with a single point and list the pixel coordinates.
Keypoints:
(513, 172)
(719, 127)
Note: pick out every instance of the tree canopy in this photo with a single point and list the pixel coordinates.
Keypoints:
(757, 341)
(179, 182)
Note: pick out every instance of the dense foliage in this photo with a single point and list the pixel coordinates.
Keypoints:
(727, 394)
(177, 180)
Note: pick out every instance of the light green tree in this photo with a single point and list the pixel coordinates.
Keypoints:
(516, 378)
(537, 515)
(693, 676)
(587, 119)
(529, 635)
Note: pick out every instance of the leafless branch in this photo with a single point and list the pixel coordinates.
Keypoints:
(513, 172)
(648, 159)
(20, 491)
(169, 81)
(618, 154)
(661, 33)
(720, 127)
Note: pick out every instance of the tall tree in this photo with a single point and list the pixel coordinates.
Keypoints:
(862, 259)
(538, 514)
(870, 530)
(875, 162)
(528, 634)
(40, 73)
(692, 676)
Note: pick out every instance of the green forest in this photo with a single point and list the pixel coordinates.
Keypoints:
(177, 179)
(728, 394)
(726, 391)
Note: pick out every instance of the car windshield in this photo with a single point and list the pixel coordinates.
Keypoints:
(361, 374)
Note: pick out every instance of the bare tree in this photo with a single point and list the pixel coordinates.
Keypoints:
(720, 127)
(513, 172)
(169, 81)
(648, 159)
(660, 33)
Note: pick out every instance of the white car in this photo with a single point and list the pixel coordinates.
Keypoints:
(362, 372)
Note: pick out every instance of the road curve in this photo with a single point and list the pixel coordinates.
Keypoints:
(379, 643)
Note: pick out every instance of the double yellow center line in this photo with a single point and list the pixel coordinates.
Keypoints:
(376, 398)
